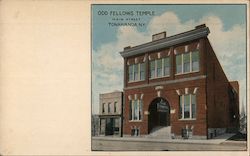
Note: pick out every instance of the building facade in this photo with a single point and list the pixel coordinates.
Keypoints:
(95, 125)
(178, 82)
(110, 109)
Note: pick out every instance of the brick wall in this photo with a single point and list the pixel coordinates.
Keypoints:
(169, 93)
(218, 88)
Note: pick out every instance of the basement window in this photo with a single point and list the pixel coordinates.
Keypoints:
(135, 132)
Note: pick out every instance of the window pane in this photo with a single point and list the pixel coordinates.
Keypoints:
(178, 64)
(130, 72)
(180, 113)
(133, 132)
(193, 99)
(152, 69)
(142, 71)
(103, 107)
(136, 72)
(195, 61)
(130, 110)
(186, 62)
(166, 66)
(135, 110)
(109, 105)
(186, 106)
(140, 110)
(115, 106)
(159, 68)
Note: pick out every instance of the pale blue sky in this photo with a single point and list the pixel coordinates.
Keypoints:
(229, 14)
(227, 24)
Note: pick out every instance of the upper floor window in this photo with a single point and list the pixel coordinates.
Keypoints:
(187, 62)
(115, 107)
(142, 71)
(103, 107)
(135, 109)
(109, 107)
(187, 106)
(195, 61)
(159, 68)
(136, 72)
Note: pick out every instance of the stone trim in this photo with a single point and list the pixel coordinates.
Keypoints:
(167, 82)
(195, 90)
(167, 42)
(178, 92)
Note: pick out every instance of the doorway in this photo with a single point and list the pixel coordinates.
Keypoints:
(159, 113)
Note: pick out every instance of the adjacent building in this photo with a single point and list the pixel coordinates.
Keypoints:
(110, 113)
(95, 125)
(176, 82)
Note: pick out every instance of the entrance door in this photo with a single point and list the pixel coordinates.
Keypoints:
(159, 113)
(162, 118)
(109, 126)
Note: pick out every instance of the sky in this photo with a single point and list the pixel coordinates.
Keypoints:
(227, 24)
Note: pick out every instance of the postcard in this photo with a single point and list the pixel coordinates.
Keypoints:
(169, 77)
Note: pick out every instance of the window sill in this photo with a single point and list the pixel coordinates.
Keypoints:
(159, 77)
(187, 73)
(136, 81)
(135, 120)
(188, 119)
(110, 114)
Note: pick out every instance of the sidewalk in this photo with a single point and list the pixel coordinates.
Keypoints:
(218, 140)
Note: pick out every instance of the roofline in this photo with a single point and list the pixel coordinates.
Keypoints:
(166, 42)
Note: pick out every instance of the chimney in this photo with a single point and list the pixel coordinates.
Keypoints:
(128, 47)
(159, 36)
(200, 26)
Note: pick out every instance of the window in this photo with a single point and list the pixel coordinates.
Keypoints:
(180, 114)
(187, 106)
(193, 102)
(115, 107)
(135, 131)
(135, 114)
(103, 107)
(152, 69)
(130, 72)
(166, 66)
(195, 61)
(135, 110)
(187, 62)
(178, 64)
(109, 106)
(136, 72)
(159, 67)
(130, 110)
(142, 71)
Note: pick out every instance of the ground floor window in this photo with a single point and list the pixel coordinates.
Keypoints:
(110, 126)
(135, 109)
(187, 105)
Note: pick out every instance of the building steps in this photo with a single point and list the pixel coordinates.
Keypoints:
(160, 132)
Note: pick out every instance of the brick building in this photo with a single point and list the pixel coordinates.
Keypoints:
(110, 109)
(178, 82)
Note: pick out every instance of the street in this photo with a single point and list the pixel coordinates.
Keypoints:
(132, 145)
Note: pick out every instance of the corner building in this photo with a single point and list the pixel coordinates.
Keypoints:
(178, 82)
(110, 112)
